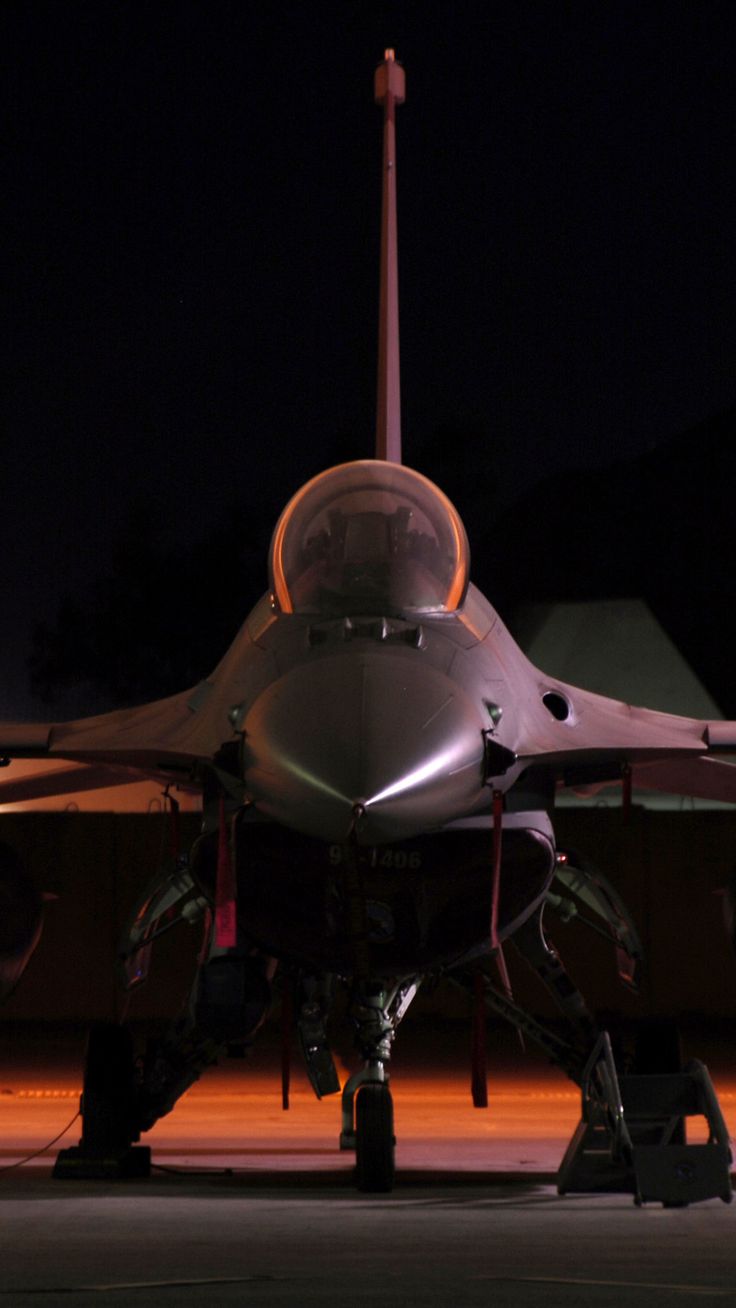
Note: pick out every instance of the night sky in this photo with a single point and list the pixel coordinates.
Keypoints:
(193, 195)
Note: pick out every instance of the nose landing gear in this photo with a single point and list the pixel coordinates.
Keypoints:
(367, 1105)
(374, 1138)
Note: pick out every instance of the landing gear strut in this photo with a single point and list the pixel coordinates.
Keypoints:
(109, 1112)
(367, 1106)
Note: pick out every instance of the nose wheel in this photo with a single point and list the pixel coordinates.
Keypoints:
(374, 1138)
(367, 1106)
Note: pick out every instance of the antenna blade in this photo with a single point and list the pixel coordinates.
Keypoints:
(390, 92)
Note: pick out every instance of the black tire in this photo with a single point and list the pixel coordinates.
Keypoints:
(109, 1094)
(374, 1138)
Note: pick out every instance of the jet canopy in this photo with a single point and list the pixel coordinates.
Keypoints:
(369, 537)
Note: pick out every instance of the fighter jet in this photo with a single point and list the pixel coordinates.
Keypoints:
(378, 762)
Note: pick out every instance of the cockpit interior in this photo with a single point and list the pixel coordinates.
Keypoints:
(369, 537)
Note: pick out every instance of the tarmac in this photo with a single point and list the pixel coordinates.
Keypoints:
(248, 1204)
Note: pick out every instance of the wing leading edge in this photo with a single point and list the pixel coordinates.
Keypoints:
(589, 739)
(169, 740)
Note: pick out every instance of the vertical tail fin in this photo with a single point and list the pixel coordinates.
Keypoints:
(389, 91)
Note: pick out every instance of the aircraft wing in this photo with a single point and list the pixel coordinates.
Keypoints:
(72, 780)
(166, 740)
(590, 740)
(701, 778)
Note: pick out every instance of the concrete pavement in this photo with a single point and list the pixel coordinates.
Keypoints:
(257, 1207)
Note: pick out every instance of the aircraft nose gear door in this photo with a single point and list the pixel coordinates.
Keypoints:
(314, 999)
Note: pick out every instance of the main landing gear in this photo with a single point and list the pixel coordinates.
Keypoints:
(109, 1112)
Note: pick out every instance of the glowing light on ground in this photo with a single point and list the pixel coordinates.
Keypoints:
(233, 1118)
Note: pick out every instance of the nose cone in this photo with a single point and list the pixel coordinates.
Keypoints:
(376, 729)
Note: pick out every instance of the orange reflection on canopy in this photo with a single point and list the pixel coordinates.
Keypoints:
(369, 537)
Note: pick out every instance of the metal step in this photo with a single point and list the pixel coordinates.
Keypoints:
(631, 1136)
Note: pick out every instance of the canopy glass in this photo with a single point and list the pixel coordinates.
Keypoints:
(369, 537)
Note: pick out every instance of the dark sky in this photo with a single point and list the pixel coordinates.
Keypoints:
(193, 203)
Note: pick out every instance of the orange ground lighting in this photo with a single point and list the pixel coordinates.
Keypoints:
(233, 1119)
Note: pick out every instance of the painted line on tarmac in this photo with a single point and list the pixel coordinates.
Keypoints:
(146, 1285)
(713, 1290)
(703, 1290)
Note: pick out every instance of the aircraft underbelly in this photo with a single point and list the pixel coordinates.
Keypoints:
(412, 905)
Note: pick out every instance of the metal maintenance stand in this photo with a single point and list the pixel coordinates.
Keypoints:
(624, 1141)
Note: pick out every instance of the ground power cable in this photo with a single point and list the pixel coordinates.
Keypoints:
(9, 1167)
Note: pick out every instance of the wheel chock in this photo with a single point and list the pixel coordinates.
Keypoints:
(80, 1164)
